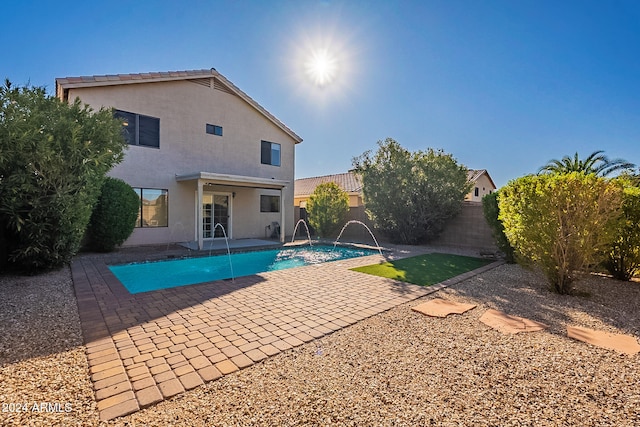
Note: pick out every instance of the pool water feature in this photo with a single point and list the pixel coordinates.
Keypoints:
(151, 276)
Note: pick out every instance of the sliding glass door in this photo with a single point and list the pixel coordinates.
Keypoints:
(216, 209)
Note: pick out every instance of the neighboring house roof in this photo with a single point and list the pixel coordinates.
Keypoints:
(349, 182)
(200, 76)
(474, 175)
(352, 183)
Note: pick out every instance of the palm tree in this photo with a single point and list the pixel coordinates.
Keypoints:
(597, 163)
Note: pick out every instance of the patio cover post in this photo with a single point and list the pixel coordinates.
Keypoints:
(282, 216)
(199, 216)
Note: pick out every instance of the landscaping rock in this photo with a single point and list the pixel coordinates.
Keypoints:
(398, 368)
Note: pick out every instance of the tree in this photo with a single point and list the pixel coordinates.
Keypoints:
(596, 163)
(53, 158)
(327, 208)
(623, 258)
(409, 196)
(114, 215)
(634, 177)
(491, 213)
(560, 223)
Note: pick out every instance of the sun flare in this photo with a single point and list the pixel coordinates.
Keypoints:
(321, 67)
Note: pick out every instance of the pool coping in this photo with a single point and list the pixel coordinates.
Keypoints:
(146, 347)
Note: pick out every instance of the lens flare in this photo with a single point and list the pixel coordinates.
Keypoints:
(322, 64)
(321, 67)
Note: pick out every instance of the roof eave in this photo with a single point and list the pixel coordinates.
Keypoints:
(116, 80)
(260, 108)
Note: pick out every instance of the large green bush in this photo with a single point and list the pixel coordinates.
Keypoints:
(491, 212)
(53, 158)
(410, 195)
(327, 207)
(623, 259)
(114, 216)
(560, 223)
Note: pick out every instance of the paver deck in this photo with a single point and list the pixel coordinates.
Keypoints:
(143, 348)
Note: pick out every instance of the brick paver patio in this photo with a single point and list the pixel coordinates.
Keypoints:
(143, 348)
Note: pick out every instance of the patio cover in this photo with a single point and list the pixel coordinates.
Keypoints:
(204, 178)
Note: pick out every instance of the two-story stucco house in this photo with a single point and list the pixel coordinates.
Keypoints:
(201, 152)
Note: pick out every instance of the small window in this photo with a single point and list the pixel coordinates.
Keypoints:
(139, 129)
(476, 193)
(214, 129)
(269, 203)
(154, 208)
(270, 153)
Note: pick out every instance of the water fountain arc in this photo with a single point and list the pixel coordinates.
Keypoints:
(224, 232)
(355, 221)
(295, 229)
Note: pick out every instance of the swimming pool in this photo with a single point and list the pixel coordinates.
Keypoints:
(151, 276)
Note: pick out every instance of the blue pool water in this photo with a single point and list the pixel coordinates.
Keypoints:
(151, 276)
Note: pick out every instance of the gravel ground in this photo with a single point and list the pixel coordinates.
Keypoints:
(42, 360)
(395, 369)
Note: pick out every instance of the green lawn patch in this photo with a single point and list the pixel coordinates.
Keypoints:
(424, 270)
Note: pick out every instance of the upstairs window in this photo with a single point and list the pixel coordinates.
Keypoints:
(270, 153)
(214, 129)
(140, 130)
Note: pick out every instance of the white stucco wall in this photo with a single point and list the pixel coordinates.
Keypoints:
(484, 186)
(184, 108)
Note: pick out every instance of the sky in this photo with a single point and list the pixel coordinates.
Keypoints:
(500, 85)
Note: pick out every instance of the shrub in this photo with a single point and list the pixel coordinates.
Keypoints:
(623, 259)
(409, 196)
(327, 208)
(53, 158)
(560, 223)
(114, 216)
(491, 212)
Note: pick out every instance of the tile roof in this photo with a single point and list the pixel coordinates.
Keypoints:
(135, 77)
(352, 183)
(349, 182)
(154, 77)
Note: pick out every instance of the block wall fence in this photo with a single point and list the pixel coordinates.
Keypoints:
(469, 229)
